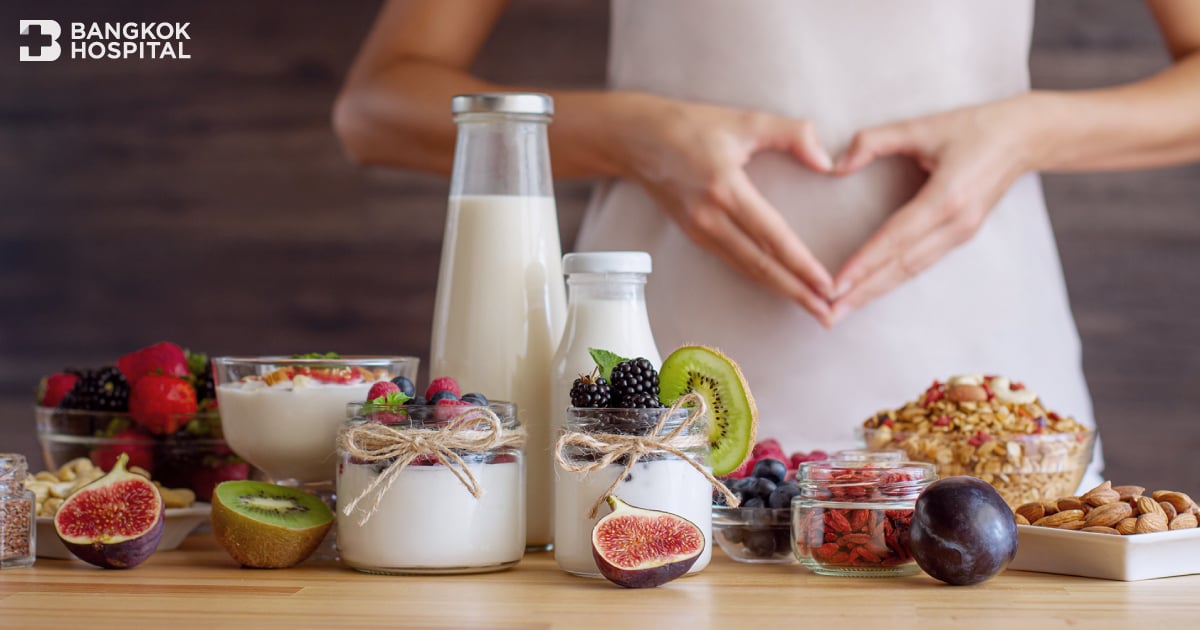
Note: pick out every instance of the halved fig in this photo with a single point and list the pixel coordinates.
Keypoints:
(639, 548)
(115, 522)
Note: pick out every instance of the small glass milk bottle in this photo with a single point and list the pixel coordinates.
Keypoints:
(657, 480)
(17, 514)
(501, 304)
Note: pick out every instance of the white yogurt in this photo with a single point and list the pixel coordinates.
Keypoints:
(669, 485)
(289, 429)
(427, 521)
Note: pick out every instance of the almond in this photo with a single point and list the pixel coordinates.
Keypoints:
(1021, 520)
(1101, 495)
(1127, 526)
(1151, 523)
(1059, 518)
(1182, 502)
(1073, 525)
(1128, 492)
(966, 393)
(1146, 505)
(1031, 511)
(1187, 520)
(1096, 529)
(1050, 506)
(1109, 514)
(1069, 503)
(1168, 509)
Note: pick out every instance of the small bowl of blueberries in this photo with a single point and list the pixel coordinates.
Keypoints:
(760, 529)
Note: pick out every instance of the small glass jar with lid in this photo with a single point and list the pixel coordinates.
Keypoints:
(657, 480)
(422, 492)
(867, 456)
(17, 514)
(853, 518)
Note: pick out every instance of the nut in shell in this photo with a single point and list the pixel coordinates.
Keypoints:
(1060, 518)
(1180, 501)
(1168, 509)
(1031, 511)
(1147, 505)
(1151, 523)
(1102, 494)
(1187, 520)
(1070, 503)
(1128, 492)
(1127, 526)
(1109, 514)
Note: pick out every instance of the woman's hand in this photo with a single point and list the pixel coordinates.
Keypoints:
(972, 156)
(691, 159)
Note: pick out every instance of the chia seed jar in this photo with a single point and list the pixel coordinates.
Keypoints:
(658, 480)
(424, 518)
(17, 514)
(853, 518)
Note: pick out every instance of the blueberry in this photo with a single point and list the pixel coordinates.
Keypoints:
(442, 395)
(735, 535)
(754, 502)
(782, 496)
(406, 386)
(418, 401)
(475, 398)
(783, 539)
(772, 469)
(760, 543)
(762, 488)
(742, 485)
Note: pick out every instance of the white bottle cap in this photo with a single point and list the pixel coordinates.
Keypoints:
(606, 262)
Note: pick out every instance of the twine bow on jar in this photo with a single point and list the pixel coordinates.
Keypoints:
(614, 446)
(476, 430)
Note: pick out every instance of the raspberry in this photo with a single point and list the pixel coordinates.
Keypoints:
(591, 391)
(443, 384)
(449, 409)
(382, 388)
(635, 376)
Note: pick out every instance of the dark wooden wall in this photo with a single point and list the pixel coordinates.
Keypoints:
(207, 202)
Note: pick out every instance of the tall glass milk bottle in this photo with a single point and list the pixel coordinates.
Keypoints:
(607, 310)
(501, 303)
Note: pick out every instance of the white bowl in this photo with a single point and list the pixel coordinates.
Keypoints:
(1108, 556)
(179, 523)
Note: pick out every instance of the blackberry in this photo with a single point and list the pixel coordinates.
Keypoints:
(591, 391)
(635, 376)
(641, 401)
(99, 390)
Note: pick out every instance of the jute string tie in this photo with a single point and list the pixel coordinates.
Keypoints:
(476, 430)
(614, 446)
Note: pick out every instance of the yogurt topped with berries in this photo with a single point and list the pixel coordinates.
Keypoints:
(283, 415)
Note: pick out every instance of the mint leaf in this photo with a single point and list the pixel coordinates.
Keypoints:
(196, 362)
(317, 355)
(391, 399)
(606, 361)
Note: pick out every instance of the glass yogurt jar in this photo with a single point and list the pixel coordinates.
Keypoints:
(422, 492)
(658, 480)
(853, 518)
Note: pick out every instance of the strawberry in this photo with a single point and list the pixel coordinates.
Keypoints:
(161, 358)
(161, 403)
(54, 388)
(214, 471)
(382, 388)
(135, 443)
(443, 384)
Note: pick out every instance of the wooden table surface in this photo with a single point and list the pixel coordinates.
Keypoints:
(199, 586)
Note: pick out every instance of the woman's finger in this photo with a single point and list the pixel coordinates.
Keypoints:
(763, 223)
(714, 230)
(871, 144)
(798, 137)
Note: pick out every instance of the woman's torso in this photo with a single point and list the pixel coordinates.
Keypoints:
(997, 304)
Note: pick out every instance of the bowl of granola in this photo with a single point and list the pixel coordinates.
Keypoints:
(991, 428)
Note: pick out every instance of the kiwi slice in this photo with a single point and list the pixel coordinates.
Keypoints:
(266, 526)
(732, 414)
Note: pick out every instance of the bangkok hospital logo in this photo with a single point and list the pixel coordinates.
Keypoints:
(43, 40)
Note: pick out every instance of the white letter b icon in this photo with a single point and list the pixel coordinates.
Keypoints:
(39, 49)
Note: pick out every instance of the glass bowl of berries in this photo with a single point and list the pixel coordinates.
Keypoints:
(157, 405)
(759, 530)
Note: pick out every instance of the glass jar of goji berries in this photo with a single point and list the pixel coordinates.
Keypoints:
(852, 518)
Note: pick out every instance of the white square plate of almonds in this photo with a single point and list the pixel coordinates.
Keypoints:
(1112, 533)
